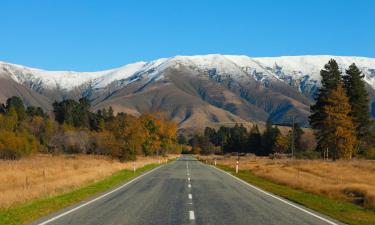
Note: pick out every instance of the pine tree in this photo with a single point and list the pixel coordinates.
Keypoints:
(330, 79)
(338, 135)
(16, 103)
(359, 101)
(269, 138)
(298, 132)
(254, 143)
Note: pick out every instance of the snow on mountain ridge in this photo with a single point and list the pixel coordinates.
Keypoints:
(299, 71)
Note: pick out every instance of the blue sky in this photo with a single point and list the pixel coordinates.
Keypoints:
(94, 35)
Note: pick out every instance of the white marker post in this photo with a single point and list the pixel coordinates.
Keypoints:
(237, 167)
(134, 167)
(215, 162)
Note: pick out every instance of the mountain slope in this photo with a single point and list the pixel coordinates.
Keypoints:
(192, 90)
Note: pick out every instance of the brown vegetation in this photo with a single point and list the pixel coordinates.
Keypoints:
(46, 175)
(350, 180)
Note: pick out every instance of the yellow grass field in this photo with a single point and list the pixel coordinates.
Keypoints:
(351, 180)
(46, 175)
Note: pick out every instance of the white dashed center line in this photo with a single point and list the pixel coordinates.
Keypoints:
(189, 185)
(191, 215)
(190, 196)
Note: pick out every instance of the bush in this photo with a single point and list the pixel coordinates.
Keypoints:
(105, 143)
(308, 154)
(71, 142)
(17, 145)
(369, 153)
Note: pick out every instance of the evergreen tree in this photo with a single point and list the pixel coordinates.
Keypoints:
(359, 101)
(330, 79)
(338, 135)
(181, 139)
(269, 138)
(211, 134)
(111, 115)
(2, 108)
(298, 132)
(18, 105)
(254, 143)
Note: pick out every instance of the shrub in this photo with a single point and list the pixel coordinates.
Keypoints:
(71, 142)
(105, 143)
(17, 145)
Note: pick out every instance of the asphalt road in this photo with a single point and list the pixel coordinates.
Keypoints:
(186, 192)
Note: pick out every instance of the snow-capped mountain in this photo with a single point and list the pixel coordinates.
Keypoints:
(244, 88)
(295, 70)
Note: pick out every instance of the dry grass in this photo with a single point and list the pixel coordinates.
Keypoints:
(351, 180)
(46, 175)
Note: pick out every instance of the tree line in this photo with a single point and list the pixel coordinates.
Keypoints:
(340, 118)
(73, 128)
(238, 139)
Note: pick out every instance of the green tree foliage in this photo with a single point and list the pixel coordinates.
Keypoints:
(254, 143)
(236, 139)
(2, 108)
(297, 132)
(16, 103)
(269, 138)
(32, 111)
(359, 101)
(330, 79)
(76, 114)
(181, 139)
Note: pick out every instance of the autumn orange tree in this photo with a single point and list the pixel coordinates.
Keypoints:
(338, 135)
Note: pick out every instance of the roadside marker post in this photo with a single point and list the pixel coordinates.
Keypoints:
(215, 162)
(133, 167)
(237, 167)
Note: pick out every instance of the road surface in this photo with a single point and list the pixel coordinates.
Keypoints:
(186, 192)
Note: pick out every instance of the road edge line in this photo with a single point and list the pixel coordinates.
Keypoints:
(99, 197)
(278, 198)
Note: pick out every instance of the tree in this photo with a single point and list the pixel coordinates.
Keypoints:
(211, 134)
(35, 111)
(10, 121)
(298, 132)
(236, 141)
(181, 139)
(282, 143)
(16, 103)
(2, 108)
(74, 113)
(338, 135)
(359, 101)
(330, 79)
(254, 142)
(152, 128)
(269, 138)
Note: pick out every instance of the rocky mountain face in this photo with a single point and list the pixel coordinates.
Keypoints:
(195, 91)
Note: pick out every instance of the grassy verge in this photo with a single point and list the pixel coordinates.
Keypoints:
(337, 209)
(28, 212)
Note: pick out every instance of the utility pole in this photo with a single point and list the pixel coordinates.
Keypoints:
(292, 137)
